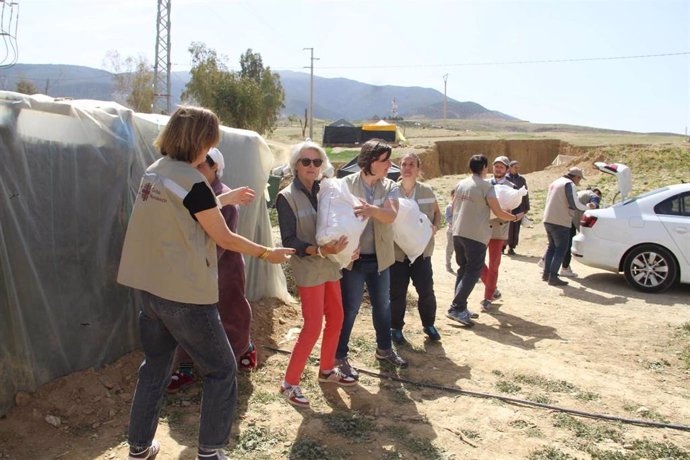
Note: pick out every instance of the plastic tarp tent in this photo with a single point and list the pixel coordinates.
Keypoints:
(351, 167)
(341, 132)
(70, 171)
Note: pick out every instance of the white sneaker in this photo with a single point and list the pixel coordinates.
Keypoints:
(567, 272)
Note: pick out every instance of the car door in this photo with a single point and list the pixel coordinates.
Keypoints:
(674, 214)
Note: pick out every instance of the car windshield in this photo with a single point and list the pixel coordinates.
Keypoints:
(635, 198)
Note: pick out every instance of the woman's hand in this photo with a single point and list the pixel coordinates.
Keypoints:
(334, 247)
(355, 255)
(365, 209)
(279, 255)
(241, 195)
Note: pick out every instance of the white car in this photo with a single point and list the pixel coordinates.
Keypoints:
(646, 237)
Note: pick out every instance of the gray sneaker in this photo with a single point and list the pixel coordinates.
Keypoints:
(486, 306)
(461, 316)
(346, 368)
(392, 357)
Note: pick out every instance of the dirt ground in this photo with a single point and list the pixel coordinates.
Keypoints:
(596, 346)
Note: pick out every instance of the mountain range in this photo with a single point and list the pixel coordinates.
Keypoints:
(334, 98)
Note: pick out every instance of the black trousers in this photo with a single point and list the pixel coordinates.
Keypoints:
(422, 276)
(514, 234)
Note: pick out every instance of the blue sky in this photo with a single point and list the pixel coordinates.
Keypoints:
(414, 43)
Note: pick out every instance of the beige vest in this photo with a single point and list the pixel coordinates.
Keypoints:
(308, 270)
(383, 233)
(166, 252)
(426, 199)
(557, 210)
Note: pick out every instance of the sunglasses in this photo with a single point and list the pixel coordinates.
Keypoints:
(307, 161)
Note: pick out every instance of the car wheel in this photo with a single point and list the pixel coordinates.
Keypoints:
(650, 268)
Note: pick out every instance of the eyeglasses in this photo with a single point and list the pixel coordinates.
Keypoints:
(307, 161)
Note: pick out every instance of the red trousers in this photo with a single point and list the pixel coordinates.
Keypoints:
(317, 302)
(489, 274)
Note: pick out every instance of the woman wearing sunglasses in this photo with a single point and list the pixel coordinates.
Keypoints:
(316, 276)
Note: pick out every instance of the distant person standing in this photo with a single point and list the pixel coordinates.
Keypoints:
(449, 232)
(474, 198)
(519, 180)
(560, 208)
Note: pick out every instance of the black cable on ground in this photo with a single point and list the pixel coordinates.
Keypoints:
(524, 402)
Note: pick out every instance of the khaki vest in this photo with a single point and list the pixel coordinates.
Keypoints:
(557, 210)
(166, 252)
(426, 199)
(308, 270)
(383, 233)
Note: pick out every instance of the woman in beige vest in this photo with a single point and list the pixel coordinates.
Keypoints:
(378, 198)
(169, 256)
(420, 272)
(317, 277)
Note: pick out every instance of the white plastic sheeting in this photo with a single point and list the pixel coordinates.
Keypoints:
(69, 171)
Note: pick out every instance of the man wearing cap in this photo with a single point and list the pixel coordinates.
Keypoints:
(499, 235)
(561, 204)
(514, 227)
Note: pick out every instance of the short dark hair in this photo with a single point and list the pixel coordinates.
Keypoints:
(370, 151)
(189, 132)
(477, 163)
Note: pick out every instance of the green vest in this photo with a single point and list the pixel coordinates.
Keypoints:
(426, 199)
(166, 252)
(308, 270)
(383, 233)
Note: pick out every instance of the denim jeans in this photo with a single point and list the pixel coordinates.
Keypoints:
(469, 254)
(559, 239)
(567, 257)
(197, 328)
(422, 276)
(365, 270)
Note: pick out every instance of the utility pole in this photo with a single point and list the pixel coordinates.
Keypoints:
(161, 70)
(311, 92)
(445, 99)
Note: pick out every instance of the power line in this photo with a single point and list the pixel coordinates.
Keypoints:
(490, 63)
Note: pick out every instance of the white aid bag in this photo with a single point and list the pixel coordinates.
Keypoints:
(411, 229)
(335, 217)
(508, 197)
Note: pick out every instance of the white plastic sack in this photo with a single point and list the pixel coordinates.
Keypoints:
(336, 217)
(508, 197)
(412, 229)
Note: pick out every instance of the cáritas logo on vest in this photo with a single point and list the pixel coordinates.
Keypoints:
(146, 191)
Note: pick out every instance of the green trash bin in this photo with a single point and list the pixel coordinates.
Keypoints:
(273, 188)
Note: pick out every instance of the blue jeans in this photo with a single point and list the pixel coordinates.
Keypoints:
(469, 254)
(163, 325)
(422, 276)
(559, 240)
(365, 270)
